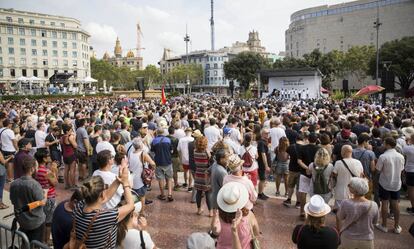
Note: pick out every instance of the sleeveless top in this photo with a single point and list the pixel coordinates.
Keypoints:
(202, 174)
(136, 167)
(67, 149)
(225, 238)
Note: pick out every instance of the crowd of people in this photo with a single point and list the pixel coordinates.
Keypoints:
(350, 158)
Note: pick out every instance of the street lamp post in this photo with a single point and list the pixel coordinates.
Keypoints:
(187, 39)
(377, 25)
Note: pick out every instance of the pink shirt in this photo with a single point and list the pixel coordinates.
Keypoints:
(225, 239)
(249, 185)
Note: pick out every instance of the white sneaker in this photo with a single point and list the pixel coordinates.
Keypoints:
(381, 228)
(397, 230)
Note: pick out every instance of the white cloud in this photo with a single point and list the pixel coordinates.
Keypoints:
(156, 13)
(101, 34)
(171, 40)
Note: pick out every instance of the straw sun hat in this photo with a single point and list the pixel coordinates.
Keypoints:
(232, 196)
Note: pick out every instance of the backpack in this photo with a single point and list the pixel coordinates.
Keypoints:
(320, 185)
(247, 158)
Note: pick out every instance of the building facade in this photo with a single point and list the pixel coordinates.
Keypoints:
(212, 63)
(40, 45)
(131, 61)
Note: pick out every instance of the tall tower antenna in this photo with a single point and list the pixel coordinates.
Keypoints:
(212, 25)
(139, 39)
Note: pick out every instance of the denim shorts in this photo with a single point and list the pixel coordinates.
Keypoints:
(164, 172)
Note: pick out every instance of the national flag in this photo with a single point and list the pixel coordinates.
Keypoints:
(163, 98)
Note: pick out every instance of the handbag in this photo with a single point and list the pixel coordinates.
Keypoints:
(147, 173)
(255, 241)
(73, 242)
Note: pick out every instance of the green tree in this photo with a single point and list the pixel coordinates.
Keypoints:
(102, 70)
(401, 55)
(356, 61)
(244, 68)
(151, 75)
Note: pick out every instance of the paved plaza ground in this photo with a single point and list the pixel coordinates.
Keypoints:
(171, 223)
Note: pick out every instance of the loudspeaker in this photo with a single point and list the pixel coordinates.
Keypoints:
(140, 84)
(387, 80)
(231, 85)
(345, 86)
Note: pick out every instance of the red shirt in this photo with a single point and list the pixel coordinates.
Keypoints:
(41, 177)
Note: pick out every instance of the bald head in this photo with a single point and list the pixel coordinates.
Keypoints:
(346, 151)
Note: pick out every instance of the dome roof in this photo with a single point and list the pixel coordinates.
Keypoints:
(130, 54)
(106, 56)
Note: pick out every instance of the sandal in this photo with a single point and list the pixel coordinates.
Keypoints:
(3, 206)
(170, 198)
(161, 197)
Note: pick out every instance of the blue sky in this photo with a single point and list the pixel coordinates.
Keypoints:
(163, 21)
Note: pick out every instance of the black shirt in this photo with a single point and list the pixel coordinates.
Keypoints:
(360, 128)
(325, 238)
(263, 148)
(307, 155)
(50, 138)
(291, 135)
(293, 150)
(174, 144)
(338, 147)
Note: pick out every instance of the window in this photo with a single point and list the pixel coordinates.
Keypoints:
(11, 50)
(208, 73)
(54, 34)
(10, 30)
(33, 32)
(10, 40)
(74, 36)
(64, 35)
(35, 72)
(22, 51)
(23, 62)
(55, 71)
(44, 43)
(215, 73)
(54, 44)
(31, 21)
(11, 61)
(44, 52)
(75, 63)
(75, 73)
(55, 63)
(12, 72)
(45, 73)
(24, 72)
(55, 53)
(44, 62)
(34, 52)
(75, 54)
(207, 66)
(52, 23)
(62, 24)
(1, 60)
(43, 33)
(9, 19)
(1, 72)
(65, 63)
(65, 44)
(33, 42)
(21, 31)
(34, 62)
(1, 50)
(74, 45)
(42, 22)
(65, 53)
(215, 65)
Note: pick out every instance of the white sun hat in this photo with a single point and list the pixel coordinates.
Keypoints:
(316, 207)
(232, 196)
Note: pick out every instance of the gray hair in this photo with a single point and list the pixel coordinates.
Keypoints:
(137, 143)
(106, 135)
(359, 186)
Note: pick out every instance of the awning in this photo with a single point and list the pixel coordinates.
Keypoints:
(89, 80)
(22, 78)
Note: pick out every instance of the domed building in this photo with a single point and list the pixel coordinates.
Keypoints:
(130, 61)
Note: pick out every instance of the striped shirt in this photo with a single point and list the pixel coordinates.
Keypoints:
(42, 178)
(103, 231)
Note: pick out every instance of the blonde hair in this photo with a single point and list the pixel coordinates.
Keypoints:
(322, 158)
(92, 189)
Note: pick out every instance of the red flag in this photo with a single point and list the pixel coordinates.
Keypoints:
(163, 98)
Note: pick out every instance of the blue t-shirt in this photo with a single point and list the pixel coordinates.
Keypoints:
(162, 148)
(365, 157)
(61, 226)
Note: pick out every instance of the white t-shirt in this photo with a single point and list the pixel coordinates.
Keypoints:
(7, 137)
(105, 145)
(390, 165)
(133, 240)
(108, 178)
(40, 137)
(213, 135)
(235, 147)
(136, 167)
(235, 135)
(408, 151)
(275, 134)
(179, 133)
(182, 148)
(253, 153)
(341, 191)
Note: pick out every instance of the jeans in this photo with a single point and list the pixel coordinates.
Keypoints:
(199, 196)
(2, 182)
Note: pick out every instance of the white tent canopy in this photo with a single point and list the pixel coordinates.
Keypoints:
(89, 80)
(34, 78)
(22, 78)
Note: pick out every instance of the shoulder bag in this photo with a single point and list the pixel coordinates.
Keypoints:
(141, 235)
(255, 241)
(147, 172)
(73, 242)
